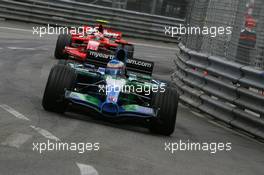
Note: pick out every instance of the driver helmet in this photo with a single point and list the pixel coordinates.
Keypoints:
(101, 28)
(98, 35)
(115, 68)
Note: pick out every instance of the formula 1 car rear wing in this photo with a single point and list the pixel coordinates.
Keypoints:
(133, 64)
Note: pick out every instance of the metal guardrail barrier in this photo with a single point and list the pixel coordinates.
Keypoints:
(228, 91)
(68, 13)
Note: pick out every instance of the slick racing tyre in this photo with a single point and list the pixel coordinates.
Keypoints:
(167, 103)
(130, 51)
(62, 41)
(60, 78)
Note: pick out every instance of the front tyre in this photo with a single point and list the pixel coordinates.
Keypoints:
(61, 77)
(167, 103)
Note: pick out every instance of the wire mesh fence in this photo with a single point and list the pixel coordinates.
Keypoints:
(245, 18)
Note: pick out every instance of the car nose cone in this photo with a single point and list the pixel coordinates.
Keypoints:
(110, 108)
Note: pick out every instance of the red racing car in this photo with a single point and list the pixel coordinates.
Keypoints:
(95, 41)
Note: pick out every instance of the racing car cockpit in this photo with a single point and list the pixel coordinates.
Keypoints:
(117, 66)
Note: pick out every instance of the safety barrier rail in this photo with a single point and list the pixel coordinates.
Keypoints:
(228, 91)
(69, 13)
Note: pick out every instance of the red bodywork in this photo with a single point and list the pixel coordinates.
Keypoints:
(104, 44)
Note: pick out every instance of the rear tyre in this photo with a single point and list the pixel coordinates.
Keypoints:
(62, 41)
(60, 78)
(167, 103)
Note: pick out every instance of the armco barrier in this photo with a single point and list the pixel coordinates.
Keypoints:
(68, 13)
(228, 91)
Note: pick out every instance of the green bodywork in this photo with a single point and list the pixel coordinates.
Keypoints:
(137, 98)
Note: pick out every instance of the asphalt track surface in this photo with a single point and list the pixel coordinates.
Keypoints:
(25, 62)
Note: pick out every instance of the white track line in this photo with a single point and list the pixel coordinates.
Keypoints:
(45, 133)
(235, 132)
(16, 140)
(183, 106)
(86, 169)
(21, 48)
(13, 112)
(17, 29)
(198, 114)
